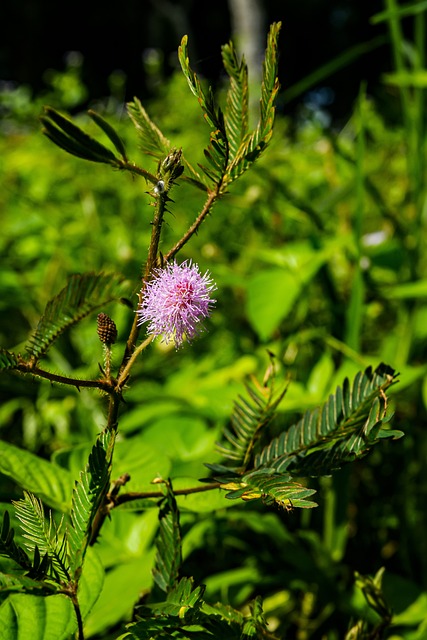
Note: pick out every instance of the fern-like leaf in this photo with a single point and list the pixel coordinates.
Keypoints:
(250, 417)
(217, 152)
(254, 144)
(80, 297)
(168, 544)
(271, 487)
(151, 139)
(8, 360)
(343, 429)
(89, 491)
(43, 535)
(236, 114)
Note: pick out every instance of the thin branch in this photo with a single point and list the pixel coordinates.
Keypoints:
(133, 168)
(125, 372)
(134, 495)
(157, 223)
(211, 199)
(104, 385)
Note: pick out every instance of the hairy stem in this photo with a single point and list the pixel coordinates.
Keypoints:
(104, 385)
(151, 263)
(124, 374)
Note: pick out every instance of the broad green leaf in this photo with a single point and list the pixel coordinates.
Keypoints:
(123, 585)
(271, 296)
(49, 482)
(23, 617)
(80, 297)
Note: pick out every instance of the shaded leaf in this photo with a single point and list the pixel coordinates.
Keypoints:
(168, 544)
(43, 534)
(8, 360)
(47, 480)
(68, 136)
(271, 487)
(110, 132)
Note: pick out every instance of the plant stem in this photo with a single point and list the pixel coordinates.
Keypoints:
(151, 263)
(80, 633)
(124, 373)
(211, 199)
(25, 367)
(133, 495)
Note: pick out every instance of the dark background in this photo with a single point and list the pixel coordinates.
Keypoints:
(36, 35)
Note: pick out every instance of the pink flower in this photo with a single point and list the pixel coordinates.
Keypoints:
(176, 301)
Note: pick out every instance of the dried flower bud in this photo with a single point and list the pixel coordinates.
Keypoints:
(107, 330)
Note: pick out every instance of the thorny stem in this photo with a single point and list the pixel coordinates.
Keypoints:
(133, 168)
(75, 382)
(211, 199)
(157, 223)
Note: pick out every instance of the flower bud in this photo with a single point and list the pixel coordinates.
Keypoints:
(107, 330)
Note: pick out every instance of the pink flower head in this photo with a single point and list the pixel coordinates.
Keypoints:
(176, 301)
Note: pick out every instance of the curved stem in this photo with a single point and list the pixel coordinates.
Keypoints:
(80, 632)
(211, 199)
(124, 373)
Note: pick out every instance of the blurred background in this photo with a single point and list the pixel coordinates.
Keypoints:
(129, 49)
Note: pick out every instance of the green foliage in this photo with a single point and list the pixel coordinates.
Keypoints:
(89, 492)
(249, 418)
(168, 543)
(318, 259)
(81, 296)
(72, 139)
(43, 535)
(344, 429)
(232, 148)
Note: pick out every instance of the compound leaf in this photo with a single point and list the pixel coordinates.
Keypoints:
(43, 534)
(8, 360)
(88, 494)
(168, 544)
(343, 429)
(81, 296)
(68, 136)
